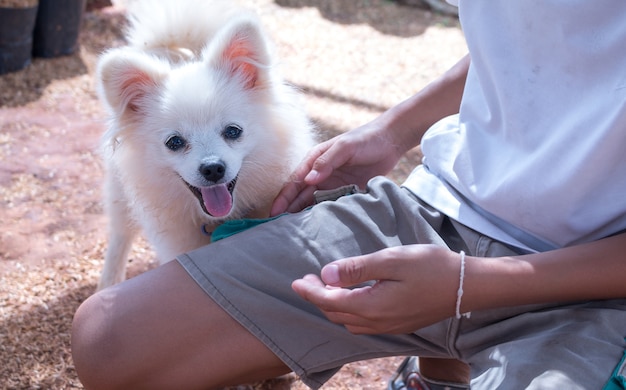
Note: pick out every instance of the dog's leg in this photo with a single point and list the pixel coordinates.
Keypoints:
(114, 270)
(122, 231)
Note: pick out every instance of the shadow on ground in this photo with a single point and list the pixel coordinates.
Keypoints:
(384, 16)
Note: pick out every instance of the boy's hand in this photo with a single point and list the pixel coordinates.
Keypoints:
(350, 158)
(413, 286)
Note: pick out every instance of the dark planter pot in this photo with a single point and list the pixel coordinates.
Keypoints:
(57, 27)
(16, 38)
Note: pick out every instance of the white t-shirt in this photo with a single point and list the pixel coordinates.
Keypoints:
(537, 156)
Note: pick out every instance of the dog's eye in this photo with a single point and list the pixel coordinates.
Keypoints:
(232, 132)
(175, 142)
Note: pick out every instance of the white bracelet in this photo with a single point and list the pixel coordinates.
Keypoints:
(459, 293)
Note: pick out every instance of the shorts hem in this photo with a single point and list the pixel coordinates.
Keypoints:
(207, 286)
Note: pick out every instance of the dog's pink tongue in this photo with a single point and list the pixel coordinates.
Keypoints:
(217, 200)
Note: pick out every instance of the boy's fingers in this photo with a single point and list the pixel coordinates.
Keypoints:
(355, 270)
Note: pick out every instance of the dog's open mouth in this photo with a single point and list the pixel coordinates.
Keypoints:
(215, 200)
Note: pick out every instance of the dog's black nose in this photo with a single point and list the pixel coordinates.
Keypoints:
(213, 171)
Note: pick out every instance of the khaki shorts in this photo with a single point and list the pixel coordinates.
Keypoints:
(249, 274)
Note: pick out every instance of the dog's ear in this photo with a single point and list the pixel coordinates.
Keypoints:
(126, 79)
(240, 50)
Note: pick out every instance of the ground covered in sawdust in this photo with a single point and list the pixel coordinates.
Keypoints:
(352, 59)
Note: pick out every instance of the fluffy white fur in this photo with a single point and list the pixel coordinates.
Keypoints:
(194, 100)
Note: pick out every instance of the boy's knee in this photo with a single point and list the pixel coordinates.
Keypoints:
(94, 349)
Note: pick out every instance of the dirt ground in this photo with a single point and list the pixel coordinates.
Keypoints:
(351, 58)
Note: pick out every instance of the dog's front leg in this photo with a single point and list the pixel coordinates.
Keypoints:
(122, 231)
(114, 270)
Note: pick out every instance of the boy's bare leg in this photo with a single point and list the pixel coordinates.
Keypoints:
(160, 330)
(446, 370)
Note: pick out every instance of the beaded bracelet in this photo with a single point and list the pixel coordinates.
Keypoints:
(459, 293)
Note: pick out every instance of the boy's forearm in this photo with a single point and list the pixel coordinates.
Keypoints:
(584, 272)
(410, 119)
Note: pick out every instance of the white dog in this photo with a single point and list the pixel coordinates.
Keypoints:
(202, 127)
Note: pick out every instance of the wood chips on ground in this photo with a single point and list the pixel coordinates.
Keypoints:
(352, 59)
